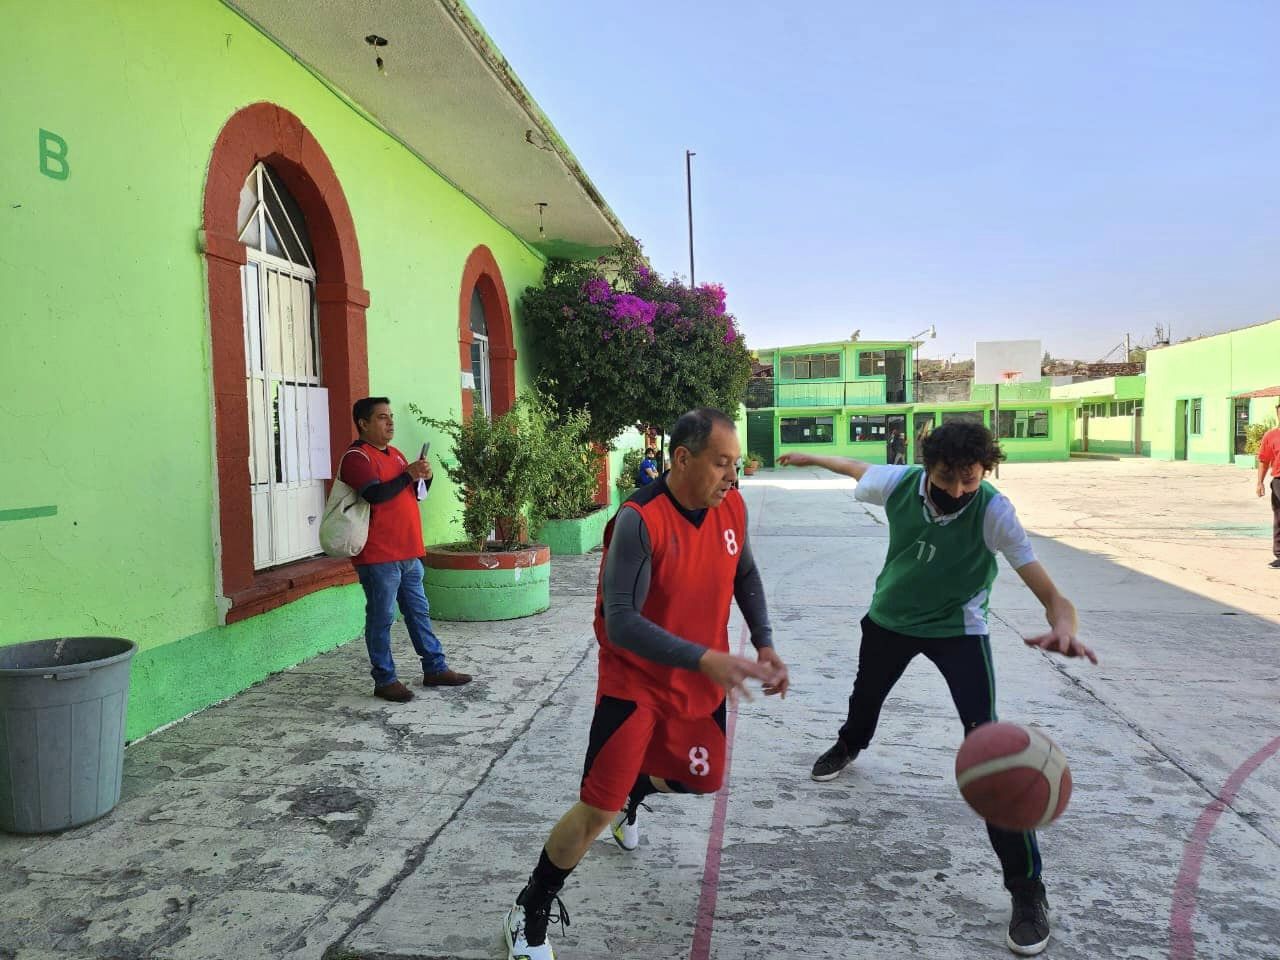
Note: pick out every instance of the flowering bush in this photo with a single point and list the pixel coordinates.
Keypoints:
(630, 347)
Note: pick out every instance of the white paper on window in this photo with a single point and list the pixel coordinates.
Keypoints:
(304, 433)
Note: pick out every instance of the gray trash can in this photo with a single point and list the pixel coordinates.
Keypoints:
(62, 709)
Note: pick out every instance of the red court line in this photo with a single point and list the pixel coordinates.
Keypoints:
(706, 916)
(1182, 941)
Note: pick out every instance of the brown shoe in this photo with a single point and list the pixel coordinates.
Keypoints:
(395, 692)
(445, 678)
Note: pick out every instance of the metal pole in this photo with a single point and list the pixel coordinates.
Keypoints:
(688, 185)
(996, 425)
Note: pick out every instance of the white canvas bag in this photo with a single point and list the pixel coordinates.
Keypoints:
(344, 528)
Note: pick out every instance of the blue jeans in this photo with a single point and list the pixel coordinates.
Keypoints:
(385, 585)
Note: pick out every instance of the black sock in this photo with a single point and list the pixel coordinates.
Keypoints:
(546, 880)
(643, 788)
(544, 883)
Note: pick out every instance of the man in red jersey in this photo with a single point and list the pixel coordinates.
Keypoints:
(676, 554)
(389, 566)
(1269, 460)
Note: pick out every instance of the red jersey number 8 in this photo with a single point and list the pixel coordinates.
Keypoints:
(699, 761)
(731, 542)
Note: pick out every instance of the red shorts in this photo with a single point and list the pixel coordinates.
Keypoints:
(628, 739)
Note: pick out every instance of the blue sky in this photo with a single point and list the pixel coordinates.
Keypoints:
(1067, 171)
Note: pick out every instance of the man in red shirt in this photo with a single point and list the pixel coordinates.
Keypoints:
(389, 566)
(1269, 459)
(676, 555)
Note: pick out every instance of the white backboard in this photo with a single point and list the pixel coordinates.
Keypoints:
(1006, 361)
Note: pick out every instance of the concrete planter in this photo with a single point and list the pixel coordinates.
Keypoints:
(495, 585)
(569, 538)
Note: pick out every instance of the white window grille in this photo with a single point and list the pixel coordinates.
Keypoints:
(480, 355)
(288, 405)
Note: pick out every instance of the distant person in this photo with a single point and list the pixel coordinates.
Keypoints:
(647, 472)
(1269, 460)
(897, 448)
(389, 567)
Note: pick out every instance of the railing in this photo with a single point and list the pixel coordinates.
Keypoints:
(765, 392)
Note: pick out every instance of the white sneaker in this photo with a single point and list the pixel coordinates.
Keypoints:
(518, 947)
(626, 833)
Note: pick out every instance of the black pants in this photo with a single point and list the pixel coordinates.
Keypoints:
(965, 663)
(1275, 519)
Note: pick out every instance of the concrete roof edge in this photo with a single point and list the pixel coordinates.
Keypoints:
(488, 51)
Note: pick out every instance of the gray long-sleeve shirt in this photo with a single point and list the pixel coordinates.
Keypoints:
(627, 573)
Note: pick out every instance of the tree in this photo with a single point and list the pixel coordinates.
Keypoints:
(630, 347)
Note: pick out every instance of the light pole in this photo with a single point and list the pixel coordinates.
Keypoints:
(688, 192)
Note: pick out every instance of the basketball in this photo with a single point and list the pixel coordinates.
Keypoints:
(1013, 776)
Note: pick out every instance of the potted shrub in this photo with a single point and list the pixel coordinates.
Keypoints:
(1253, 433)
(572, 523)
(752, 463)
(626, 482)
(496, 471)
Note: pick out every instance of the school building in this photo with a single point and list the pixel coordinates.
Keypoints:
(222, 224)
(1108, 415)
(1202, 394)
(863, 399)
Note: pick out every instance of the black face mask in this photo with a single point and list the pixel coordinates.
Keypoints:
(946, 503)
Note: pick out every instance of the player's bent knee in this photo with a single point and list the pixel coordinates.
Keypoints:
(595, 818)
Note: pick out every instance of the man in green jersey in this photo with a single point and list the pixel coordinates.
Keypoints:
(946, 525)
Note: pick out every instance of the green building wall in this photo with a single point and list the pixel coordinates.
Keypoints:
(1057, 446)
(1112, 433)
(849, 386)
(107, 521)
(1212, 370)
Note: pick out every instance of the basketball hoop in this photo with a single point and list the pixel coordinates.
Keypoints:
(1010, 375)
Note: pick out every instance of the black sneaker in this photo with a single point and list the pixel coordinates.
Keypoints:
(1275, 563)
(829, 765)
(1029, 923)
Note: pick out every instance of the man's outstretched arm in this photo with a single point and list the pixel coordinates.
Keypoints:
(845, 465)
(1058, 610)
(748, 591)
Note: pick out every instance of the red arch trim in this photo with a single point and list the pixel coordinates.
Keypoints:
(265, 132)
(481, 273)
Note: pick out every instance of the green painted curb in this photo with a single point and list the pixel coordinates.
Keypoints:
(488, 594)
(571, 538)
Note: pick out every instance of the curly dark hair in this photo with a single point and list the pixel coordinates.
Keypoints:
(960, 444)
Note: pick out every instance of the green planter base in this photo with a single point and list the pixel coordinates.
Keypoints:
(494, 585)
(568, 538)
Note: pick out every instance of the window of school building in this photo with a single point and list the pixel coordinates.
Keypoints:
(807, 429)
(866, 429)
(1024, 424)
(811, 366)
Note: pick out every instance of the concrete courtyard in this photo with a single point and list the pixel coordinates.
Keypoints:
(304, 819)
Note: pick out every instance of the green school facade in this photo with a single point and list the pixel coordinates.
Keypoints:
(862, 399)
(1194, 403)
(219, 229)
(1201, 394)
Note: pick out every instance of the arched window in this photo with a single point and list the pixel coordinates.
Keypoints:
(296, 227)
(487, 350)
(288, 406)
(481, 376)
